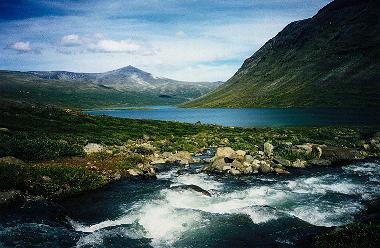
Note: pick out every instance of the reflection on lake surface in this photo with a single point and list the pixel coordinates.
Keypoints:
(252, 117)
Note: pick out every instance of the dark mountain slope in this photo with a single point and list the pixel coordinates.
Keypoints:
(330, 60)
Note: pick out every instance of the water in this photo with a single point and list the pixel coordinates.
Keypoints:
(252, 117)
(252, 211)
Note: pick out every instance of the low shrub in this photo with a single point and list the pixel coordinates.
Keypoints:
(36, 149)
(142, 150)
(131, 161)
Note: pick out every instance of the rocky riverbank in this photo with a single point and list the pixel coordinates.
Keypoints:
(103, 164)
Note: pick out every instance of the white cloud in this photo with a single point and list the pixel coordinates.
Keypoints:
(71, 40)
(21, 46)
(114, 46)
(180, 34)
(96, 43)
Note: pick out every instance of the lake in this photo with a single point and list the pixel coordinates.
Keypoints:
(251, 117)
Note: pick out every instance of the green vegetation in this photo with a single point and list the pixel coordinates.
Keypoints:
(131, 161)
(49, 180)
(292, 156)
(50, 141)
(330, 60)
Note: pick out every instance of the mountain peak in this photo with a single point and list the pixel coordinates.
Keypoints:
(128, 68)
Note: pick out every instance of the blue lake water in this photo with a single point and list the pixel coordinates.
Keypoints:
(252, 117)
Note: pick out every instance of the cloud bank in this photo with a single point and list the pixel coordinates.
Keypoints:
(190, 40)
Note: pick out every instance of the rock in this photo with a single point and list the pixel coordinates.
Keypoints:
(248, 158)
(375, 142)
(226, 168)
(135, 172)
(339, 155)
(196, 160)
(283, 162)
(319, 162)
(46, 179)
(93, 148)
(166, 154)
(299, 164)
(268, 149)
(183, 155)
(264, 167)
(11, 160)
(281, 171)
(208, 160)
(225, 152)
(235, 172)
(116, 176)
(192, 187)
(366, 147)
(237, 165)
(158, 161)
(219, 164)
(240, 153)
(255, 164)
(4, 130)
(182, 162)
(248, 170)
(317, 151)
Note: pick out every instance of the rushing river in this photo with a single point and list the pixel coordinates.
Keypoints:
(251, 117)
(249, 211)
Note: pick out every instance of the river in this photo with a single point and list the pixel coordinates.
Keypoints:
(247, 211)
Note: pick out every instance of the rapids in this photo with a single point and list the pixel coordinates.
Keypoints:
(251, 211)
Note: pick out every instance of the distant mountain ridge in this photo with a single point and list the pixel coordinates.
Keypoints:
(127, 86)
(130, 78)
(329, 60)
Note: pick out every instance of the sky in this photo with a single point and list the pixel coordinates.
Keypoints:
(190, 40)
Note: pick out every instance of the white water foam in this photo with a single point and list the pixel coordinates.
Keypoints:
(173, 212)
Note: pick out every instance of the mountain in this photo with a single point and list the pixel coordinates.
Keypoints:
(133, 79)
(126, 86)
(91, 90)
(329, 60)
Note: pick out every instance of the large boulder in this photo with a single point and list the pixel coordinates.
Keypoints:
(299, 164)
(265, 167)
(135, 172)
(268, 149)
(237, 165)
(235, 172)
(219, 164)
(339, 155)
(225, 152)
(93, 148)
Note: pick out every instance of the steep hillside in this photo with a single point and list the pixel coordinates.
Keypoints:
(330, 60)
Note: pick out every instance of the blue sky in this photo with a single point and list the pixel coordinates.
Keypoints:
(193, 40)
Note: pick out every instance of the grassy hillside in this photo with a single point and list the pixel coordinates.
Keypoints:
(70, 93)
(332, 59)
